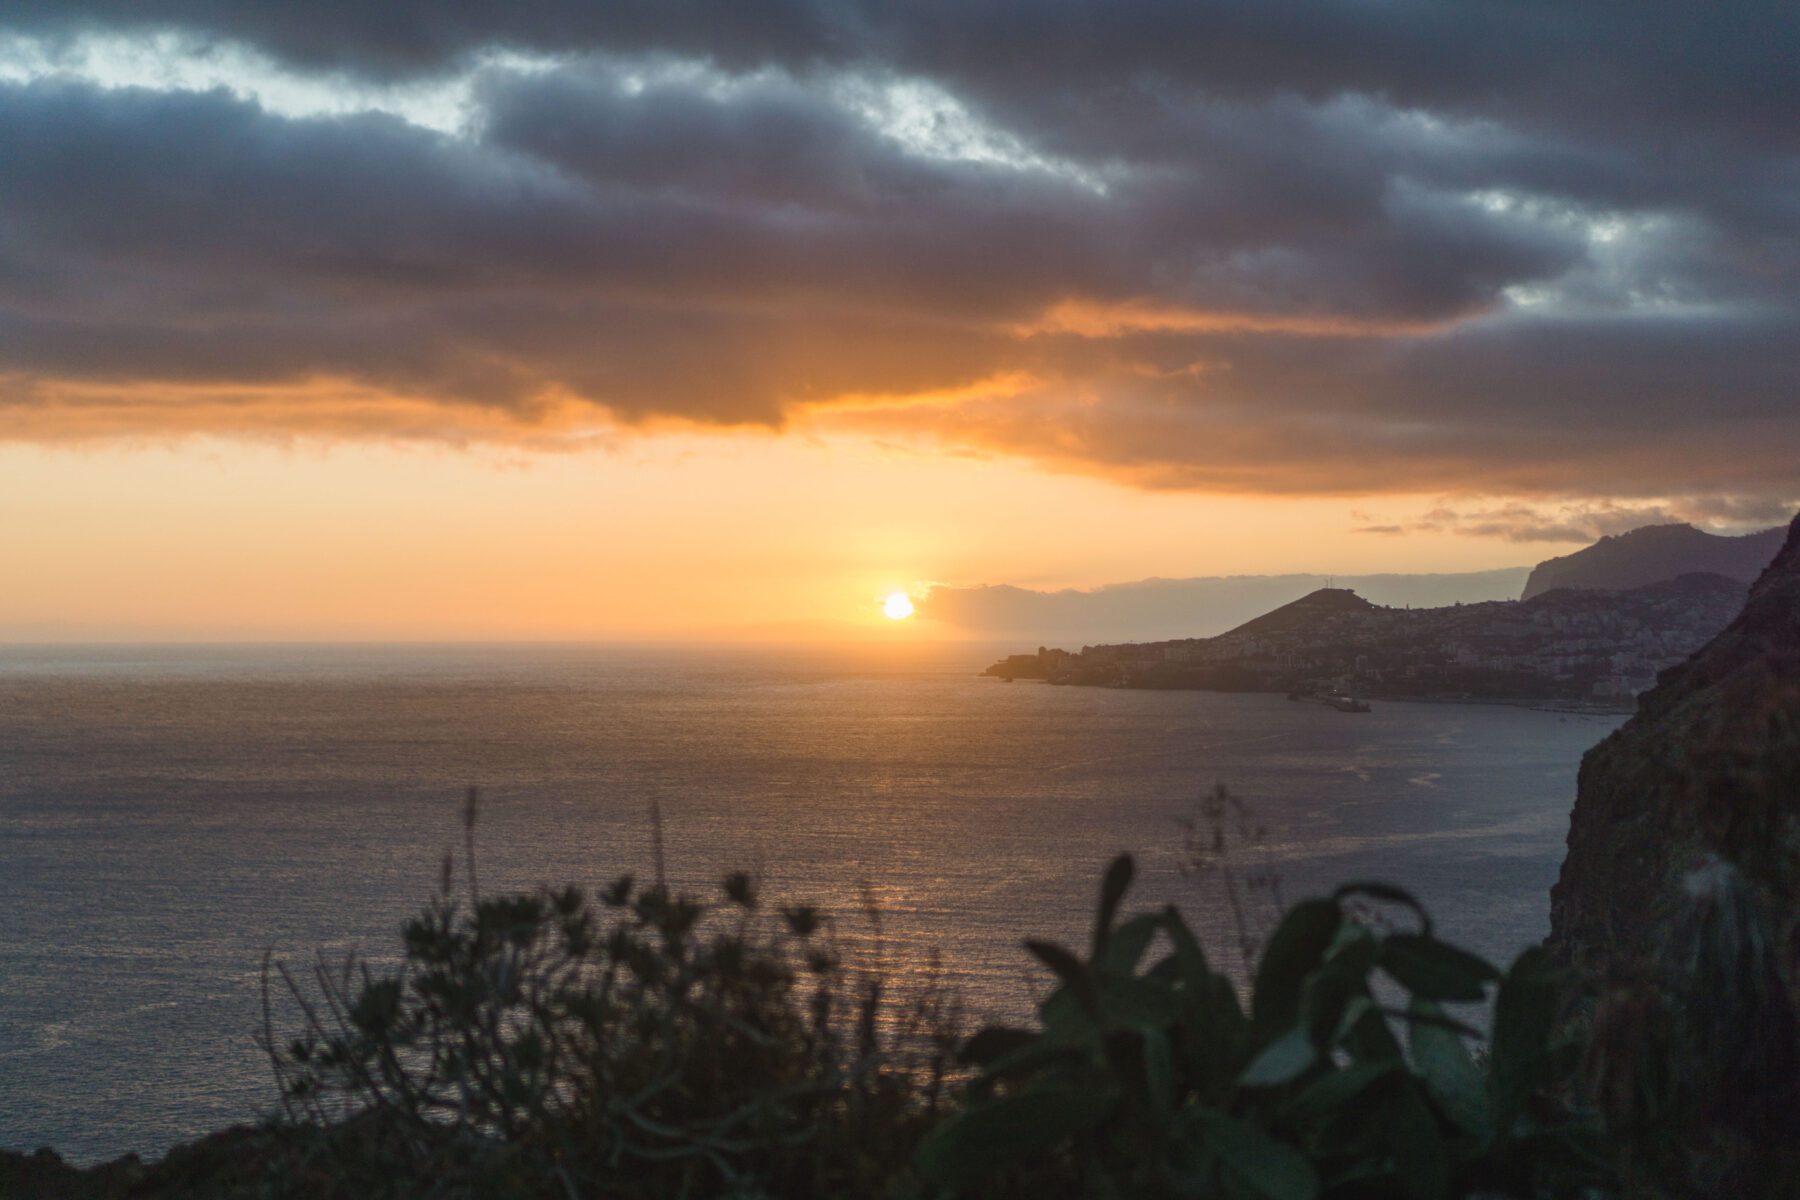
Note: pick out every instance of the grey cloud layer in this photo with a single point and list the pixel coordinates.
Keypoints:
(1595, 62)
(1534, 247)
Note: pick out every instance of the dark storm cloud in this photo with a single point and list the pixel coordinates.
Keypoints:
(195, 237)
(1523, 247)
(1597, 62)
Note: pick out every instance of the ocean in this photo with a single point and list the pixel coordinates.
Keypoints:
(170, 814)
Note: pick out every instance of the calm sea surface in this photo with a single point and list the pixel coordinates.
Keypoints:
(167, 815)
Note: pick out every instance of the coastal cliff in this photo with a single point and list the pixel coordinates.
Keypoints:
(1709, 768)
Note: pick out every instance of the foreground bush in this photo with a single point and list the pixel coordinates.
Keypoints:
(1346, 1077)
(656, 1045)
(653, 1045)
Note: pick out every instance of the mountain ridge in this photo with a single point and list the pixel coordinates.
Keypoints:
(1651, 553)
(1149, 609)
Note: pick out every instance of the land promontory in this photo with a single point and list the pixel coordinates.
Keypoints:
(1653, 553)
(1569, 646)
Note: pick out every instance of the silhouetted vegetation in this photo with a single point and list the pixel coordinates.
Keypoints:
(641, 1043)
(648, 1043)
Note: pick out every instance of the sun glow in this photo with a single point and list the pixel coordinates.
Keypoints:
(897, 606)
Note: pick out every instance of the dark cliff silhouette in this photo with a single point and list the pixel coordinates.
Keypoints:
(1709, 768)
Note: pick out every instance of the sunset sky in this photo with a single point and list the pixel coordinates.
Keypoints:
(556, 319)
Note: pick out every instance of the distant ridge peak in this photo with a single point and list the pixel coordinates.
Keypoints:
(1331, 597)
(1318, 603)
(1654, 553)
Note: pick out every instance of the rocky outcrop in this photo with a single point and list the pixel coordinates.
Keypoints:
(1708, 768)
(1652, 554)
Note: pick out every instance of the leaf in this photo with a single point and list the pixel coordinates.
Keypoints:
(1065, 965)
(1225, 1009)
(1416, 1017)
(1282, 1060)
(1294, 951)
(1127, 944)
(1215, 1037)
(1386, 893)
(1366, 1033)
(981, 1140)
(1112, 891)
(1075, 979)
(1450, 1074)
(993, 1042)
(1353, 1012)
(1136, 1000)
(1272, 1168)
(1324, 1096)
(1067, 1022)
(1353, 951)
(1419, 1149)
(1524, 1016)
(1436, 970)
(1323, 999)
(1159, 1071)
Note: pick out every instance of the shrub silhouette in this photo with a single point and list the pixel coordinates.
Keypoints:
(652, 1044)
(647, 1045)
(1345, 1077)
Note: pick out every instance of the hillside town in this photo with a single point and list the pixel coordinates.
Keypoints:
(1587, 647)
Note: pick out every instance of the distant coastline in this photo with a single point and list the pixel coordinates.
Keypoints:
(1570, 650)
(1570, 707)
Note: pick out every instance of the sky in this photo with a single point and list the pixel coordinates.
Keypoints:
(699, 318)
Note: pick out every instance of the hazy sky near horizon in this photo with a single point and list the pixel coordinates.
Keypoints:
(556, 319)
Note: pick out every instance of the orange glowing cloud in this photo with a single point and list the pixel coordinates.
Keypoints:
(1273, 288)
(1103, 319)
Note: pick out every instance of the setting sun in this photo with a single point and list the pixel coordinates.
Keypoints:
(897, 606)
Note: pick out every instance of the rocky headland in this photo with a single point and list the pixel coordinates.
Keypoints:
(1708, 769)
(1654, 552)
